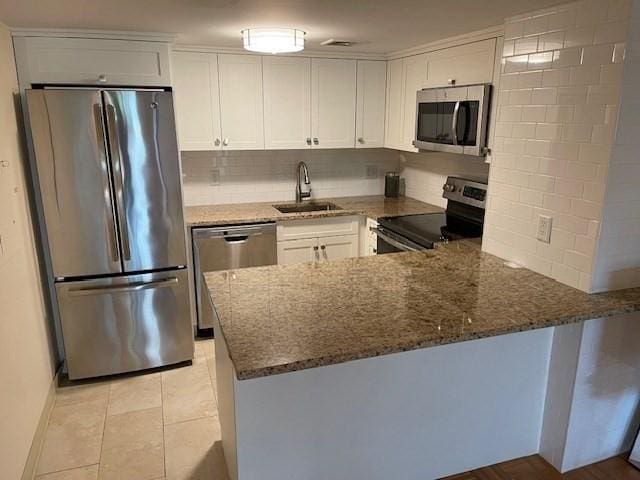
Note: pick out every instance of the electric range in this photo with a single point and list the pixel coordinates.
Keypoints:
(463, 218)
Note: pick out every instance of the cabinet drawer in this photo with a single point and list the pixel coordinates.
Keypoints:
(93, 61)
(325, 227)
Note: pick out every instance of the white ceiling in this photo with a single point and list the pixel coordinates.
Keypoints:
(377, 26)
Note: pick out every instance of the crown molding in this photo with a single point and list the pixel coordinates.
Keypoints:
(305, 53)
(475, 36)
(103, 34)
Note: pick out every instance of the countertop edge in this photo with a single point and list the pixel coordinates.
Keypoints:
(252, 374)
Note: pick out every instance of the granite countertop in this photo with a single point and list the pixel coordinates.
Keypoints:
(285, 318)
(374, 207)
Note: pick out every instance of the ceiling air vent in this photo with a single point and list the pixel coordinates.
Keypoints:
(336, 43)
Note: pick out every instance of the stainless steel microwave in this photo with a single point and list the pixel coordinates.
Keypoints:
(453, 119)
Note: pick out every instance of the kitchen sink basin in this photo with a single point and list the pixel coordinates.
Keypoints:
(306, 207)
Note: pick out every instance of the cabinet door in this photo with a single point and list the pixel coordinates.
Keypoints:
(414, 78)
(195, 81)
(336, 248)
(298, 251)
(465, 65)
(333, 103)
(93, 61)
(395, 104)
(241, 116)
(287, 102)
(372, 79)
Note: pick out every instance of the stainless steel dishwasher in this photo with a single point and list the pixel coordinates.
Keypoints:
(229, 247)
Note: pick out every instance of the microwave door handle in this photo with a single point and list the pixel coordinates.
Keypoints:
(454, 123)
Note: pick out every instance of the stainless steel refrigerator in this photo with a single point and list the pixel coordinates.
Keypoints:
(109, 183)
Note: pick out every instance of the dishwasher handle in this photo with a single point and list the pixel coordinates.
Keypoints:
(233, 234)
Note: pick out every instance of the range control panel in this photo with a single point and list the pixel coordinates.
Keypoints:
(464, 190)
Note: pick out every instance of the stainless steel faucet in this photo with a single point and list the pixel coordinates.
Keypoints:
(300, 195)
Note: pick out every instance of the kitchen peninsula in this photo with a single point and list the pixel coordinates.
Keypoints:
(322, 367)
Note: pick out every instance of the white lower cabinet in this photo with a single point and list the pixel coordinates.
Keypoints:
(298, 251)
(318, 240)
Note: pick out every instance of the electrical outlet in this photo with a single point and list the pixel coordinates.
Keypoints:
(214, 176)
(544, 228)
(372, 171)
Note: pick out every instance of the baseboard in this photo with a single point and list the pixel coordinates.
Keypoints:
(31, 464)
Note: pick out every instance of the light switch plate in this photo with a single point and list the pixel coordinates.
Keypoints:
(214, 176)
(544, 228)
(372, 171)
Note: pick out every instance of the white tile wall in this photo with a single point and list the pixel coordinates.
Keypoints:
(264, 176)
(558, 100)
(618, 254)
(425, 173)
(591, 409)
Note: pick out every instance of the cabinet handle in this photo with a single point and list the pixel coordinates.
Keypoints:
(323, 247)
(308, 140)
(225, 142)
(451, 81)
(216, 142)
(102, 78)
(360, 140)
(315, 248)
(315, 141)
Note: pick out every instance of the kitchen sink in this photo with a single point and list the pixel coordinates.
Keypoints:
(306, 207)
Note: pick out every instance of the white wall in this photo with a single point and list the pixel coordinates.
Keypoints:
(421, 414)
(263, 176)
(424, 173)
(558, 102)
(618, 255)
(26, 365)
(592, 411)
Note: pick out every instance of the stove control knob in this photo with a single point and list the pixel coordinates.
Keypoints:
(449, 187)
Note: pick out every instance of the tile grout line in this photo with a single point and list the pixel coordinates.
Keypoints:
(104, 428)
(66, 470)
(164, 446)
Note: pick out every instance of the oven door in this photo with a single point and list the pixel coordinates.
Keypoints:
(391, 242)
(452, 119)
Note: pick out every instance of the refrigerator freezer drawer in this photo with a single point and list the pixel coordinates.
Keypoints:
(122, 324)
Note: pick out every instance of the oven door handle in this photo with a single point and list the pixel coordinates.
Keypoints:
(405, 247)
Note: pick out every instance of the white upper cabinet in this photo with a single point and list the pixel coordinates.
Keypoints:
(92, 61)
(464, 65)
(333, 103)
(287, 102)
(241, 109)
(414, 78)
(395, 102)
(195, 82)
(370, 103)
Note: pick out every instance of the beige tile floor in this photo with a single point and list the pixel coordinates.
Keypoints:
(160, 425)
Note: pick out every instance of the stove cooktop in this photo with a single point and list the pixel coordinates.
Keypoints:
(430, 228)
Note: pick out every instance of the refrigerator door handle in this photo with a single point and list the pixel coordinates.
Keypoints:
(119, 178)
(131, 287)
(108, 188)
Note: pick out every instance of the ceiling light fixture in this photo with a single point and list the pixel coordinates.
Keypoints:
(273, 40)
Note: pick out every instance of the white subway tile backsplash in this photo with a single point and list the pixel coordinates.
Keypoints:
(557, 121)
(270, 175)
(551, 41)
(525, 45)
(578, 37)
(533, 113)
(585, 75)
(544, 96)
(567, 57)
(556, 78)
(558, 113)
